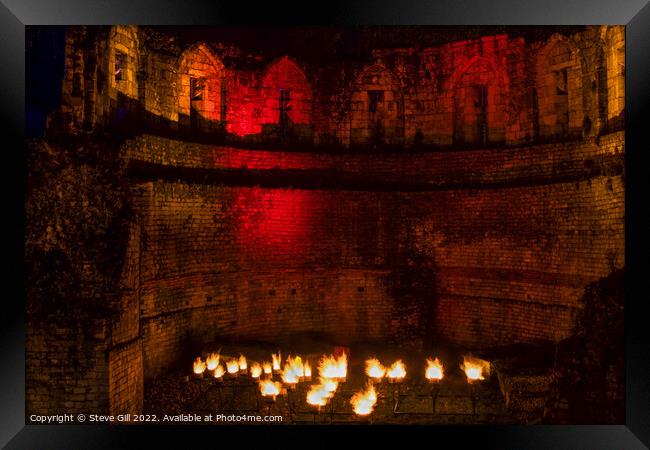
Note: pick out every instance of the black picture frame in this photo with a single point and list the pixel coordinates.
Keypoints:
(635, 14)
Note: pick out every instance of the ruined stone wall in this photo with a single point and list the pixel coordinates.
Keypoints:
(95, 93)
(439, 91)
(481, 92)
(81, 364)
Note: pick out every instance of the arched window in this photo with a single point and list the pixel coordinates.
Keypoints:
(558, 90)
(377, 115)
(200, 99)
(479, 116)
(287, 99)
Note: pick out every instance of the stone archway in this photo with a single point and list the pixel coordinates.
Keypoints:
(287, 100)
(200, 89)
(377, 108)
(479, 104)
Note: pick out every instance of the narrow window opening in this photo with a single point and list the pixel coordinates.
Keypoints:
(621, 60)
(120, 65)
(374, 99)
(284, 107)
(561, 80)
(480, 102)
(197, 88)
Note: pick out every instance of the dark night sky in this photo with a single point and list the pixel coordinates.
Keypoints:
(44, 59)
(318, 42)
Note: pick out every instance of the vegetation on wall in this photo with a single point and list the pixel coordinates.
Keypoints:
(77, 216)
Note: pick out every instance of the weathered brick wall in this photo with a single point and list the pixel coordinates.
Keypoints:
(66, 367)
(510, 262)
(125, 378)
(518, 260)
(124, 354)
(268, 306)
(256, 264)
(253, 101)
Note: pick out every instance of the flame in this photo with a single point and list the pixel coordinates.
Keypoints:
(319, 394)
(307, 370)
(434, 370)
(212, 360)
(298, 367)
(199, 366)
(267, 367)
(218, 371)
(332, 367)
(374, 369)
(277, 360)
(256, 370)
(474, 368)
(243, 365)
(363, 402)
(329, 385)
(232, 366)
(397, 371)
(294, 370)
(289, 376)
(270, 388)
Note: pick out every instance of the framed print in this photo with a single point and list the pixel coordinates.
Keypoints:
(412, 218)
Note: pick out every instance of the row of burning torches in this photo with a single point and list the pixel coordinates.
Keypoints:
(332, 370)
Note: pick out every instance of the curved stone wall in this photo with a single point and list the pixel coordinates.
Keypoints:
(509, 260)
(538, 164)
